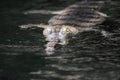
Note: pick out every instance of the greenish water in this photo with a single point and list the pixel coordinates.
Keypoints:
(89, 56)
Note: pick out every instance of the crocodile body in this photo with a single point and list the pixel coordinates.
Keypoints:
(80, 15)
(75, 18)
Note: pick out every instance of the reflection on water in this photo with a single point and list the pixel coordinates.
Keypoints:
(96, 65)
(90, 60)
(89, 56)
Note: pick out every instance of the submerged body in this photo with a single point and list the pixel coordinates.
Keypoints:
(82, 16)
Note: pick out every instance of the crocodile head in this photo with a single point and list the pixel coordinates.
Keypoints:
(58, 35)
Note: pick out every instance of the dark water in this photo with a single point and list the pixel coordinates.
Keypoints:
(89, 56)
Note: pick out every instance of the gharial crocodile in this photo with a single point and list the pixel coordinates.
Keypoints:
(79, 17)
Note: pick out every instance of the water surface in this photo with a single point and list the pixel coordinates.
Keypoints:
(88, 56)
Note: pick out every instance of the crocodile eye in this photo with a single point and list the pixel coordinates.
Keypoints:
(47, 31)
(67, 30)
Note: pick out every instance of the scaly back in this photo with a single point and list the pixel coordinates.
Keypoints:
(82, 14)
